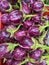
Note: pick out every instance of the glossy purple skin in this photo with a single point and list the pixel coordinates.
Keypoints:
(3, 50)
(36, 19)
(0, 0)
(32, 2)
(26, 9)
(4, 36)
(38, 6)
(25, 2)
(5, 19)
(34, 31)
(36, 54)
(19, 54)
(4, 5)
(29, 63)
(26, 43)
(27, 24)
(43, 63)
(8, 62)
(20, 35)
(11, 27)
(15, 17)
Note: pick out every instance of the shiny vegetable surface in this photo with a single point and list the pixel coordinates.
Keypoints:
(23, 32)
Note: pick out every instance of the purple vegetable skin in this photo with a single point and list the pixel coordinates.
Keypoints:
(27, 24)
(5, 19)
(20, 35)
(26, 43)
(26, 9)
(34, 31)
(38, 6)
(3, 50)
(36, 54)
(4, 5)
(4, 36)
(19, 54)
(15, 17)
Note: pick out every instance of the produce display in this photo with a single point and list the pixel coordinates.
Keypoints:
(24, 32)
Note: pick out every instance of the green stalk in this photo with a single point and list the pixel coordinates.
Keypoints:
(10, 9)
(46, 5)
(13, 31)
(20, 2)
(24, 15)
(32, 60)
(44, 57)
(16, 6)
(12, 46)
(41, 38)
(23, 62)
(43, 0)
(41, 28)
(27, 16)
(37, 45)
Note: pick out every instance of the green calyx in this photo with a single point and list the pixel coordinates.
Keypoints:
(28, 16)
(20, 2)
(16, 6)
(42, 0)
(23, 62)
(11, 46)
(24, 15)
(46, 58)
(12, 31)
(27, 60)
(37, 45)
(41, 38)
(10, 9)
(41, 28)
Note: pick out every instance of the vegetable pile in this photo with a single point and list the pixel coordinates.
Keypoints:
(23, 32)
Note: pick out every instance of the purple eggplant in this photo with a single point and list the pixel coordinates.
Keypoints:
(36, 19)
(38, 6)
(15, 17)
(8, 62)
(36, 54)
(19, 54)
(20, 35)
(26, 9)
(4, 5)
(26, 43)
(5, 19)
(4, 36)
(27, 24)
(34, 31)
